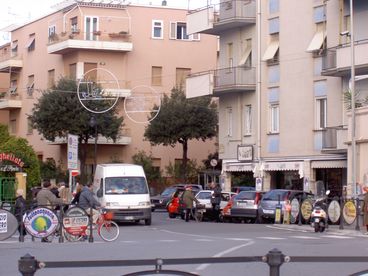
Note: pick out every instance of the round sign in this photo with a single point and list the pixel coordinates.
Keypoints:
(8, 224)
(295, 206)
(98, 90)
(143, 105)
(349, 212)
(41, 222)
(334, 211)
(75, 221)
(306, 209)
(213, 162)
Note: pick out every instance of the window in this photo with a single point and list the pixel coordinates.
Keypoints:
(319, 14)
(230, 55)
(31, 44)
(321, 113)
(181, 75)
(274, 118)
(347, 28)
(73, 71)
(51, 78)
(156, 78)
(89, 71)
(91, 28)
(274, 25)
(13, 126)
(318, 42)
(13, 87)
(74, 25)
(29, 126)
(248, 119)
(178, 30)
(271, 54)
(30, 85)
(52, 33)
(157, 29)
(273, 74)
(229, 117)
(14, 48)
(246, 58)
(273, 6)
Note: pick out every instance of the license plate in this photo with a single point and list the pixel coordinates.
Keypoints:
(128, 218)
(316, 220)
(268, 211)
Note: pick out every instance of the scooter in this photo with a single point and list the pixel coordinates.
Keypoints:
(319, 216)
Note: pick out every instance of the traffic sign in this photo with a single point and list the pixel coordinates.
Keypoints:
(72, 152)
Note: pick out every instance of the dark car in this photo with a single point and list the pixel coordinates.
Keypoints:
(245, 206)
(272, 198)
(160, 201)
(238, 189)
(195, 187)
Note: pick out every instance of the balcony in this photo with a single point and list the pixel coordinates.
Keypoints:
(218, 18)
(124, 139)
(234, 79)
(337, 61)
(67, 42)
(10, 100)
(334, 139)
(10, 63)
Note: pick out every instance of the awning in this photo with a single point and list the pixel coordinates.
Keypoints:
(283, 166)
(329, 164)
(317, 41)
(14, 45)
(271, 50)
(238, 167)
(245, 56)
(30, 41)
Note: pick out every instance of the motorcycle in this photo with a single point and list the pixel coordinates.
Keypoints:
(319, 217)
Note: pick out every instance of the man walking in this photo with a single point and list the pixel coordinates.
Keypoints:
(188, 198)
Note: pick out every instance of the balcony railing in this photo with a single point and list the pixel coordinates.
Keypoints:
(234, 79)
(10, 99)
(10, 61)
(334, 138)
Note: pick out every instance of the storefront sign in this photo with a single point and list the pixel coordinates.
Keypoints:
(245, 153)
(76, 221)
(8, 224)
(9, 168)
(334, 211)
(295, 206)
(11, 157)
(41, 222)
(349, 212)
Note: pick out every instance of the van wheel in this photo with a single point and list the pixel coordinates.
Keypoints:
(147, 221)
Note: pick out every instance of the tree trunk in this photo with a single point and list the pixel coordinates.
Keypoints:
(185, 160)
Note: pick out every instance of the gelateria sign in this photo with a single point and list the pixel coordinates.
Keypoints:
(12, 158)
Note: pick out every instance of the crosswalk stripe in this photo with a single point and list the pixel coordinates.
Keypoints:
(271, 238)
(305, 237)
(338, 237)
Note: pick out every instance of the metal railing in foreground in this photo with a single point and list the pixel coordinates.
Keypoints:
(28, 265)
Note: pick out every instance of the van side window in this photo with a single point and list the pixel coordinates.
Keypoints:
(99, 192)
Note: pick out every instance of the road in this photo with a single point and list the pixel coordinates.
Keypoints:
(174, 238)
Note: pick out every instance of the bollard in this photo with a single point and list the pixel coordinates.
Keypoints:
(300, 212)
(90, 238)
(21, 224)
(357, 206)
(341, 227)
(61, 236)
(278, 212)
(27, 265)
(274, 259)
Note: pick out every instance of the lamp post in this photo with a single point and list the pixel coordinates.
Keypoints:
(93, 124)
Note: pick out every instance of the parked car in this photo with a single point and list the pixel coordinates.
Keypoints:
(160, 201)
(204, 197)
(238, 189)
(195, 187)
(270, 199)
(245, 206)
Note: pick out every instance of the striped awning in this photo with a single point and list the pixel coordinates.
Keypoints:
(329, 164)
(239, 167)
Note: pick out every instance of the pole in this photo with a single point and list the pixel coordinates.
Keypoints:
(353, 141)
(95, 155)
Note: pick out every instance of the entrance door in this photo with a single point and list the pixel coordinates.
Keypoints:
(7, 189)
(91, 27)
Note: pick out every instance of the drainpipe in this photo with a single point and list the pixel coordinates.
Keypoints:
(258, 85)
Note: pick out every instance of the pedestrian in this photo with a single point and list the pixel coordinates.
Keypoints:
(87, 201)
(78, 191)
(20, 207)
(65, 194)
(216, 201)
(365, 208)
(188, 198)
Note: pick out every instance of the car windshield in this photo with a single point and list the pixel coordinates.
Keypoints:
(245, 195)
(275, 195)
(203, 195)
(125, 185)
(168, 191)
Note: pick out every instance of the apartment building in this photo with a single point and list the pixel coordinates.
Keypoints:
(281, 80)
(142, 46)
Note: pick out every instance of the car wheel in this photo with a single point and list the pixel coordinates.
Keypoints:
(171, 215)
(259, 219)
(148, 221)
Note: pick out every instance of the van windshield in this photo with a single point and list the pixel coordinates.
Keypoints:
(125, 185)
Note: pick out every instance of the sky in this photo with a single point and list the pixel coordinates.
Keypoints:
(20, 11)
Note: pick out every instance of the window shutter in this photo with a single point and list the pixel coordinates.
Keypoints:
(172, 30)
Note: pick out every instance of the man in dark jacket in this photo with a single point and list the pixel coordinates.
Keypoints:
(87, 201)
(19, 210)
(216, 201)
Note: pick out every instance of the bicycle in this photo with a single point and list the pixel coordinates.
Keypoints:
(196, 213)
(107, 229)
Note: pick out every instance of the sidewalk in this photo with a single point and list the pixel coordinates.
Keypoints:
(348, 230)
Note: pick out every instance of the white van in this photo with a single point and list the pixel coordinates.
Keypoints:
(123, 189)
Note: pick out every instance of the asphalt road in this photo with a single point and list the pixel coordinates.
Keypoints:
(174, 238)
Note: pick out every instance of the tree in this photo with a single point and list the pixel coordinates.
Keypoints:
(152, 173)
(20, 148)
(59, 112)
(180, 120)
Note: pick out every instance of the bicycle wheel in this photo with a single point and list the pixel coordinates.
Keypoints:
(72, 238)
(108, 231)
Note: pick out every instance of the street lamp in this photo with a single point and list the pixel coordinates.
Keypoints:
(93, 124)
